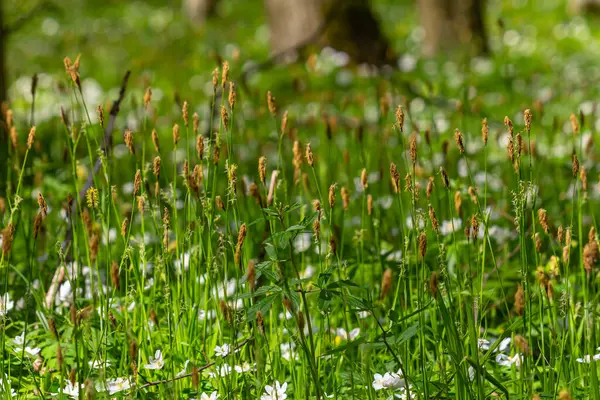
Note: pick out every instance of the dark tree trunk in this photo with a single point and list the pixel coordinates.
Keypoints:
(199, 10)
(450, 24)
(346, 25)
(3, 37)
(3, 98)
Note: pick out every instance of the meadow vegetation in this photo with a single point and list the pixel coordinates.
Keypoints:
(422, 231)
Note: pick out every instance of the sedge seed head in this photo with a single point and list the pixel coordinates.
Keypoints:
(271, 103)
(262, 169)
(459, 141)
(31, 138)
(185, 113)
(484, 131)
(175, 134)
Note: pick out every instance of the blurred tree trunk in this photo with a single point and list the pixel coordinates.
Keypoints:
(584, 6)
(449, 24)
(3, 37)
(3, 98)
(346, 25)
(199, 10)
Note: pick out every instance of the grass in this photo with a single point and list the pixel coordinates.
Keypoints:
(364, 241)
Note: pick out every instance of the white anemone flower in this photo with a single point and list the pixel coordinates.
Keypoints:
(389, 380)
(507, 361)
(72, 390)
(213, 396)
(118, 385)
(6, 304)
(275, 392)
(156, 362)
(342, 335)
(222, 351)
(587, 358)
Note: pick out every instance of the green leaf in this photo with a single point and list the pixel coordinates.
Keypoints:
(262, 305)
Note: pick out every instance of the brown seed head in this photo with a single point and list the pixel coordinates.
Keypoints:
(484, 131)
(175, 134)
(309, 155)
(147, 97)
(260, 323)
(445, 179)
(251, 275)
(225, 74)
(422, 244)
(99, 111)
(37, 224)
(519, 300)
(262, 169)
(543, 217)
(400, 118)
(14, 138)
(564, 394)
(231, 95)
(137, 182)
(59, 357)
(200, 147)
(284, 121)
(591, 251)
(369, 205)
(156, 167)
(538, 242)
(10, 119)
(332, 195)
(457, 202)
(219, 203)
(240, 242)
(317, 230)
(434, 221)
(413, 148)
(583, 177)
(114, 275)
(459, 141)
(128, 138)
(155, 140)
(215, 78)
(474, 227)
(224, 117)
(332, 245)
(31, 138)
(386, 284)
(42, 203)
(124, 227)
(272, 186)
(196, 122)
(271, 103)
(395, 176)
(408, 183)
(574, 124)
(473, 193)
(434, 285)
(575, 165)
(508, 123)
(527, 117)
(141, 202)
(429, 189)
(345, 198)
(522, 344)
(185, 113)
(560, 234)
(364, 180)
